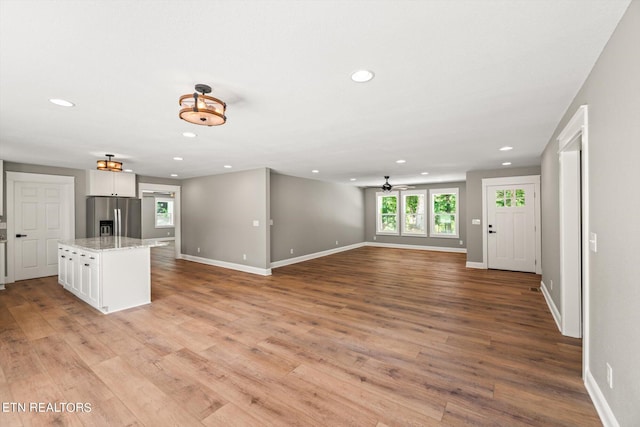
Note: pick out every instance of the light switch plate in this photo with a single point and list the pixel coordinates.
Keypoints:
(475, 221)
(593, 242)
(256, 223)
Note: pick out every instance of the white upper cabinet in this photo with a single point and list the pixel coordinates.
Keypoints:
(104, 183)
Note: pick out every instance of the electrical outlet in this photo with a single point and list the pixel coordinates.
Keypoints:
(461, 242)
(551, 284)
(168, 233)
(336, 243)
(291, 251)
(244, 257)
(198, 250)
(609, 376)
(374, 237)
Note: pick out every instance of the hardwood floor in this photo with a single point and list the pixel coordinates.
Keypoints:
(370, 337)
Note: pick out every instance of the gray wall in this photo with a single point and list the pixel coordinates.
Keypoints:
(149, 230)
(218, 213)
(612, 92)
(474, 204)
(309, 216)
(157, 180)
(80, 185)
(370, 220)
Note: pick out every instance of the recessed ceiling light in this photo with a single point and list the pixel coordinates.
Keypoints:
(189, 134)
(315, 171)
(228, 166)
(424, 173)
(178, 158)
(61, 102)
(353, 179)
(174, 175)
(506, 163)
(401, 161)
(506, 148)
(362, 76)
(128, 170)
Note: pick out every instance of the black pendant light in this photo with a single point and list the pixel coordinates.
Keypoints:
(386, 187)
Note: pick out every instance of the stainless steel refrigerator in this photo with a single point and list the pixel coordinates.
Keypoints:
(114, 216)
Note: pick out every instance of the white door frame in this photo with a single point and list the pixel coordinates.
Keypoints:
(12, 179)
(574, 275)
(143, 186)
(511, 180)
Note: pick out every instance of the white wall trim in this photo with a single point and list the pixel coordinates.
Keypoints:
(11, 179)
(602, 406)
(229, 265)
(314, 255)
(574, 137)
(479, 265)
(417, 247)
(159, 239)
(511, 180)
(552, 306)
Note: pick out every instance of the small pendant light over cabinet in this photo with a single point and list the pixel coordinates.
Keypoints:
(109, 164)
(201, 109)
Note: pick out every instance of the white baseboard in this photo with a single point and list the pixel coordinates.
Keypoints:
(604, 410)
(314, 255)
(480, 265)
(552, 306)
(417, 247)
(160, 239)
(230, 265)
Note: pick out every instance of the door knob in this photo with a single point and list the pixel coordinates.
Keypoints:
(21, 235)
(492, 232)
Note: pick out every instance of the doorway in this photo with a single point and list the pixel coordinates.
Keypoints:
(173, 190)
(511, 237)
(40, 212)
(574, 228)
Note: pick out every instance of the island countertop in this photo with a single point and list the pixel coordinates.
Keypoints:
(111, 243)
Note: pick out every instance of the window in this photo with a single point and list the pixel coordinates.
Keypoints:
(414, 217)
(387, 213)
(510, 198)
(164, 213)
(444, 212)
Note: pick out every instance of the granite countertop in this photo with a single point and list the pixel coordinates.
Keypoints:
(112, 243)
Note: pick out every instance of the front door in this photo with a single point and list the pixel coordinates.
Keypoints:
(511, 227)
(39, 224)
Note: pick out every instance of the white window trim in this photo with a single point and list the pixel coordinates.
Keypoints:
(432, 221)
(380, 194)
(155, 211)
(404, 212)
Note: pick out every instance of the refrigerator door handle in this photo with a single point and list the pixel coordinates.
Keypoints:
(119, 222)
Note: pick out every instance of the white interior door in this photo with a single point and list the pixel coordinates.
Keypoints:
(38, 225)
(511, 227)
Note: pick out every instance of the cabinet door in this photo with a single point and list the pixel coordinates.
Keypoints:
(74, 272)
(93, 297)
(62, 266)
(100, 183)
(124, 184)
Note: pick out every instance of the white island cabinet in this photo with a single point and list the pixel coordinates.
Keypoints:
(108, 273)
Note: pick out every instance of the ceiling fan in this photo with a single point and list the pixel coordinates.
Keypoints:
(386, 187)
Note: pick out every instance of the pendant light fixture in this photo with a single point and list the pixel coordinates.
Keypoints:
(200, 109)
(109, 164)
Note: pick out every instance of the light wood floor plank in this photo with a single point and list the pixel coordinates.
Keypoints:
(368, 337)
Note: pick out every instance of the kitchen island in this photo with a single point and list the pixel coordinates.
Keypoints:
(110, 273)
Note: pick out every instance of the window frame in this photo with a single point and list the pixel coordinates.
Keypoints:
(379, 195)
(171, 202)
(403, 209)
(432, 214)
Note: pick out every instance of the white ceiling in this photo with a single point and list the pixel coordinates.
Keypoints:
(454, 81)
